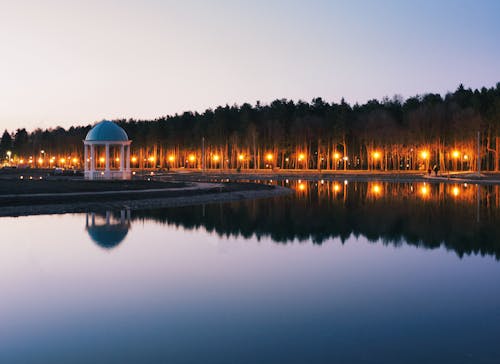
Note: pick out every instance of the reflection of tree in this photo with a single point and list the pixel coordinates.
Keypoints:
(427, 217)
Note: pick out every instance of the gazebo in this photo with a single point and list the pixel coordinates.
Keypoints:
(108, 231)
(107, 152)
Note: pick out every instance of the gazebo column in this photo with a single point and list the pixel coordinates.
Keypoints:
(106, 170)
(128, 158)
(122, 157)
(85, 157)
(92, 161)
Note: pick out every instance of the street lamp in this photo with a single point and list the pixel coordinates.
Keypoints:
(192, 159)
(269, 158)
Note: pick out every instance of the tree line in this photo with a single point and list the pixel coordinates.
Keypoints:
(387, 134)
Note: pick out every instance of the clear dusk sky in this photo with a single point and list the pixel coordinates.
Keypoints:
(76, 62)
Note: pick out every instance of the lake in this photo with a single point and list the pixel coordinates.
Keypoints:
(344, 272)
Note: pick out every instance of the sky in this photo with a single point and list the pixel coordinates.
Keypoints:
(66, 62)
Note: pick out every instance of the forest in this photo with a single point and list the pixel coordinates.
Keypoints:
(387, 134)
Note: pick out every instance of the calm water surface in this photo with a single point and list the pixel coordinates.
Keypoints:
(356, 273)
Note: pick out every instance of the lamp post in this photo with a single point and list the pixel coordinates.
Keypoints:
(336, 156)
(455, 154)
(269, 159)
(425, 156)
(376, 157)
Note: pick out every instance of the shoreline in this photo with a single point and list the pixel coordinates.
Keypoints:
(351, 176)
(145, 203)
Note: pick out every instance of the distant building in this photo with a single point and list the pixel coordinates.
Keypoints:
(107, 152)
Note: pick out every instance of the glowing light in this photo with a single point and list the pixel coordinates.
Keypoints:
(455, 154)
(151, 159)
(117, 159)
(21, 161)
(302, 187)
(346, 158)
(133, 159)
(376, 189)
(171, 158)
(40, 160)
(102, 159)
(466, 157)
(75, 160)
(301, 157)
(336, 187)
(62, 160)
(269, 157)
(376, 155)
(424, 190)
(216, 158)
(424, 154)
(241, 157)
(336, 156)
(455, 191)
(192, 158)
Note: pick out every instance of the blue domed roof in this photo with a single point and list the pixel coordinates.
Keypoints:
(108, 236)
(107, 131)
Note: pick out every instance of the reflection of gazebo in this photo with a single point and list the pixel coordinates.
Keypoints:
(108, 232)
(107, 152)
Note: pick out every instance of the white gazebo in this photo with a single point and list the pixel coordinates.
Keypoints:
(107, 152)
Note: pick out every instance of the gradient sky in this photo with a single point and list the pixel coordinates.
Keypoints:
(75, 62)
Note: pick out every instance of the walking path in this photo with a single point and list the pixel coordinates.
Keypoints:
(195, 186)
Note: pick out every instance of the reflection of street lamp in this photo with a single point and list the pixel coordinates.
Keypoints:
(424, 190)
(376, 189)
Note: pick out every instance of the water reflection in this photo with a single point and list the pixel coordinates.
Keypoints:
(463, 218)
(108, 230)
